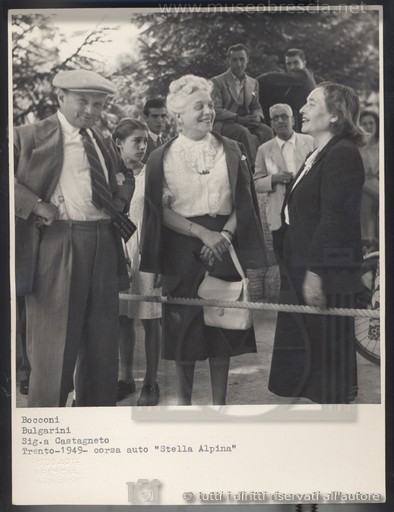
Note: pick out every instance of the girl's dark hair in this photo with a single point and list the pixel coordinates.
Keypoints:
(344, 103)
(373, 114)
(126, 127)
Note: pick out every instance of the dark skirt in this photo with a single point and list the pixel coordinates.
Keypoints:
(314, 356)
(185, 336)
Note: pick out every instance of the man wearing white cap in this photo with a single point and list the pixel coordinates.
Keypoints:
(69, 258)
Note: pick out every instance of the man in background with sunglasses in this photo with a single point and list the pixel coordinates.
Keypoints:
(277, 162)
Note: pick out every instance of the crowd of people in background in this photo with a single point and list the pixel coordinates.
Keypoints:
(177, 205)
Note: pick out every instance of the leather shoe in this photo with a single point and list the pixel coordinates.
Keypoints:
(149, 395)
(125, 389)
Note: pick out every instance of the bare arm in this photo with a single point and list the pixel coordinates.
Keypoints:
(227, 232)
(212, 241)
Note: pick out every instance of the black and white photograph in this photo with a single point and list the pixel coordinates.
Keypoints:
(197, 234)
(145, 148)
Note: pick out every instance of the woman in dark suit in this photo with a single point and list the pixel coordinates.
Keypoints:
(198, 195)
(314, 355)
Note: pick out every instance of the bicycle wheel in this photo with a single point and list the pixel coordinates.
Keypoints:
(367, 330)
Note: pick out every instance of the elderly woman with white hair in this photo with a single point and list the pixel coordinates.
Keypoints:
(199, 196)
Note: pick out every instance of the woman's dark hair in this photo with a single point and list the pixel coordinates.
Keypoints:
(344, 103)
(126, 127)
(373, 114)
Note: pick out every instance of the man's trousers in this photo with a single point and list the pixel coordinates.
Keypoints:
(72, 316)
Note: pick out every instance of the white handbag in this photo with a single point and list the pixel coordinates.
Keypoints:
(214, 288)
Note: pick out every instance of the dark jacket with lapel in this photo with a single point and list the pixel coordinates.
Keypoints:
(324, 212)
(252, 250)
(38, 159)
(151, 146)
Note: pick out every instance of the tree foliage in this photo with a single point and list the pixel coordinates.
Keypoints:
(36, 59)
(340, 46)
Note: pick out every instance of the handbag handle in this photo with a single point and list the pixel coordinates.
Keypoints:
(236, 262)
(234, 256)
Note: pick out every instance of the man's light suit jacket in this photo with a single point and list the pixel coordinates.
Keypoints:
(270, 161)
(38, 159)
(225, 97)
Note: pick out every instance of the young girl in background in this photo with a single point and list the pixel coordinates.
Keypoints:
(131, 138)
(369, 120)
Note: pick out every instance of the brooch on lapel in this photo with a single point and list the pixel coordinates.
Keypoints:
(120, 178)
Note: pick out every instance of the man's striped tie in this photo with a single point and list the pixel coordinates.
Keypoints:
(101, 193)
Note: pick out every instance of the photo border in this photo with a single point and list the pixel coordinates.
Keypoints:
(5, 400)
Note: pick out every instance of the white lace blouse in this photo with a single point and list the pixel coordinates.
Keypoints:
(196, 180)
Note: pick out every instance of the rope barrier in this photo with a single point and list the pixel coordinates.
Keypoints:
(265, 306)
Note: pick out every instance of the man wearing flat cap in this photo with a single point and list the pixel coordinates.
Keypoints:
(69, 259)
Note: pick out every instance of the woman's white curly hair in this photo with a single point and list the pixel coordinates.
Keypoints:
(182, 88)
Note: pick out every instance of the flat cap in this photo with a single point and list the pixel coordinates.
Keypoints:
(81, 80)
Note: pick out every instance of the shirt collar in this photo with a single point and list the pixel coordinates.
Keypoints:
(186, 142)
(153, 136)
(282, 142)
(67, 128)
(236, 79)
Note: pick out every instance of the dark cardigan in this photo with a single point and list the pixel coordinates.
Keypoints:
(252, 250)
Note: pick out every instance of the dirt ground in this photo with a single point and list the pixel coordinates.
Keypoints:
(248, 376)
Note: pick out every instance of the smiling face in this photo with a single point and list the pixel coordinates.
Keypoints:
(282, 122)
(237, 62)
(133, 147)
(369, 124)
(81, 109)
(157, 119)
(316, 120)
(197, 118)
